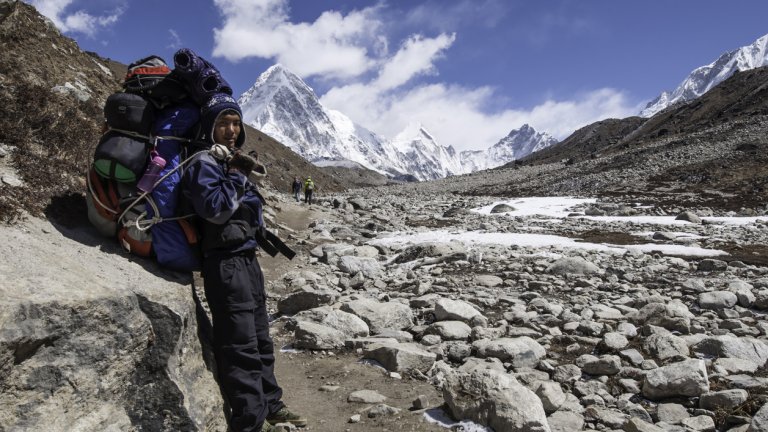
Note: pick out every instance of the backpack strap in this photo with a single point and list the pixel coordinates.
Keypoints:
(272, 244)
(145, 224)
(151, 138)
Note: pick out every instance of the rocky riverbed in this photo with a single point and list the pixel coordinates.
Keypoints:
(593, 316)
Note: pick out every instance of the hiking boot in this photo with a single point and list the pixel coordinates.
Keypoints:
(287, 416)
(267, 427)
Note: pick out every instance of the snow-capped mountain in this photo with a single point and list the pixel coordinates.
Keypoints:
(705, 77)
(281, 105)
(518, 144)
(423, 157)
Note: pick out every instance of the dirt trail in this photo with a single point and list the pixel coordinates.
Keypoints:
(302, 374)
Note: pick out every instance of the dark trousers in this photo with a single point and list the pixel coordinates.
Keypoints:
(234, 287)
(308, 197)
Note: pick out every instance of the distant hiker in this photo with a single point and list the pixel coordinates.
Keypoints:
(296, 188)
(309, 188)
(217, 187)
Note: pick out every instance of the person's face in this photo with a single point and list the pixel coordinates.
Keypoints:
(227, 129)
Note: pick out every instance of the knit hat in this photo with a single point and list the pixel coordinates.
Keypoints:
(212, 109)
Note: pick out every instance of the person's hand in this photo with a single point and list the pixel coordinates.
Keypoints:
(242, 162)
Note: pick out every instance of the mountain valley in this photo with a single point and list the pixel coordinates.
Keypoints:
(616, 280)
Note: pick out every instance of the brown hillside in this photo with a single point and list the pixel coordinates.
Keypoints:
(586, 142)
(712, 151)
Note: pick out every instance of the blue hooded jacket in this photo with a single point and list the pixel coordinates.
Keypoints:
(227, 201)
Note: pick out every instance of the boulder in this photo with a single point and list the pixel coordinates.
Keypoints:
(521, 351)
(494, 399)
(400, 357)
(687, 378)
(380, 316)
(573, 265)
(90, 336)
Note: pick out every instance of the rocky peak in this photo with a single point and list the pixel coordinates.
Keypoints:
(704, 78)
(517, 144)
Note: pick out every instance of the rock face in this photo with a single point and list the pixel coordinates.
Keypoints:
(92, 342)
(686, 378)
(494, 399)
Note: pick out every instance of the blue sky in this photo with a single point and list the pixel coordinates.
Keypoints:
(468, 70)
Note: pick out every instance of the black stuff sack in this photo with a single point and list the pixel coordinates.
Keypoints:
(129, 112)
(120, 157)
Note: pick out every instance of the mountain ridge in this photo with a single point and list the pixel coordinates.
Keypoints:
(706, 77)
(282, 105)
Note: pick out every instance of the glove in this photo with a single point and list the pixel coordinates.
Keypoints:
(220, 152)
(242, 162)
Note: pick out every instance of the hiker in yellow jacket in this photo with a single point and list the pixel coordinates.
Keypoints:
(309, 188)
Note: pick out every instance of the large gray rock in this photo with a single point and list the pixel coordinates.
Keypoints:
(743, 292)
(688, 217)
(305, 298)
(353, 264)
(449, 330)
(744, 348)
(345, 322)
(673, 316)
(90, 337)
(551, 395)
(665, 346)
(603, 365)
(759, 421)
(565, 421)
(401, 357)
(310, 335)
(686, 378)
(573, 265)
(521, 351)
(671, 413)
(635, 424)
(717, 300)
(494, 399)
(724, 399)
(502, 208)
(381, 316)
(330, 252)
(459, 310)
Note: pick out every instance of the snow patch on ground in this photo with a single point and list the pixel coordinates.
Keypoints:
(441, 418)
(475, 238)
(557, 209)
(560, 207)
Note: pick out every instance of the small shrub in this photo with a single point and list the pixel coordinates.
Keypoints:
(54, 136)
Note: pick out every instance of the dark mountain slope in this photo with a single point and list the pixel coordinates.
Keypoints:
(743, 95)
(712, 152)
(586, 142)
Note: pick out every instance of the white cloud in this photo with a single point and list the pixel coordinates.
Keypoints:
(335, 45)
(416, 57)
(352, 49)
(79, 21)
(175, 41)
(456, 116)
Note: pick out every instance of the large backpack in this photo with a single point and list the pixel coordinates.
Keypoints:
(148, 116)
(157, 113)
